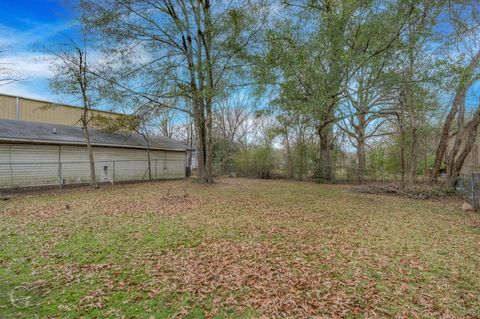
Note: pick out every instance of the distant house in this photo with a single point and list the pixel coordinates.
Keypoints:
(38, 149)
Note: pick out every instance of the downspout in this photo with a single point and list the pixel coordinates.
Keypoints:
(17, 108)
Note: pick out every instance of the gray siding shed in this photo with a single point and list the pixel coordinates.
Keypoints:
(35, 154)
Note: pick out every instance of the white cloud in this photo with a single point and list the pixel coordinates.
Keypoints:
(27, 65)
(14, 40)
(32, 71)
(18, 57)
(31, 89)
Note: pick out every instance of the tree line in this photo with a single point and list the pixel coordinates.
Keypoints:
(376, 83)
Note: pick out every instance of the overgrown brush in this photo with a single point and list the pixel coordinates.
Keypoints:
(419, 191)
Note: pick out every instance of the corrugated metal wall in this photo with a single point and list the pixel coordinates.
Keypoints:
(36, 164)
(42, 112)
(7, 107)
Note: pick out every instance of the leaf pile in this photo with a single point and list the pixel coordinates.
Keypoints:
(414, 192)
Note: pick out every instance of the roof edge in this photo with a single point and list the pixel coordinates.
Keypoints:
(53, 142)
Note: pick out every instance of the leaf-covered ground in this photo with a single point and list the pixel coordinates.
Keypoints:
(237, 249)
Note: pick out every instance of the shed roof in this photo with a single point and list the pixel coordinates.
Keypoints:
(33, 132)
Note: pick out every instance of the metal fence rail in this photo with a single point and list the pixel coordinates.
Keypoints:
(25, 174)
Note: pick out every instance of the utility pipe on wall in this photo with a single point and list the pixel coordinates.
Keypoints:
(17, 108)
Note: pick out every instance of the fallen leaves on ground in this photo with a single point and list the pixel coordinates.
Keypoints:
(238, 248)
(276, 281)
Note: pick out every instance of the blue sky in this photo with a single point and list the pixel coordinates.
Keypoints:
(26, 28)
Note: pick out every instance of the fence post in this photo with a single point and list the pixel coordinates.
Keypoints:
(472, 191)
(113, 173)
(60, 175)
(333, 173)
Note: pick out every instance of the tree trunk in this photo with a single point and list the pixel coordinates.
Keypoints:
(290, 174)
(149, 163)
(206, 86)
(93, 180)
(362, 159)
(190, 144)
(199, 132)
(456, 164)
(208, 146)
(442, 144)
(458, 101)
(459, 137)
(85, 120)
(412, 176)
(325, 164)
(425, 159)
(196, 75)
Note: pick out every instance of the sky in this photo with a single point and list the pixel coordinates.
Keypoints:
(27, 28)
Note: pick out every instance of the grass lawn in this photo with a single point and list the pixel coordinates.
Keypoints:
(236, 249)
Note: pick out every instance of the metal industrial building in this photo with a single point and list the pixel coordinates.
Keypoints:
(34, 110)
(47, 152)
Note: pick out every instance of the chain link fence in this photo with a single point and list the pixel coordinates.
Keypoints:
(28, 174)
(468, 187)
(326, 173)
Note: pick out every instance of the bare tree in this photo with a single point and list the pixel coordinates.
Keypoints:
(6, 74)
(298, 135)
(362, 114)
(231, 118)
(191, 48)
(233, 122)
(166, 122)
(72, 77)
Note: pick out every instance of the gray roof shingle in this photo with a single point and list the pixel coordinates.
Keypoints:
(23, 131)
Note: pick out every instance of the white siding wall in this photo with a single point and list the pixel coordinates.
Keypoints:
(31, 164)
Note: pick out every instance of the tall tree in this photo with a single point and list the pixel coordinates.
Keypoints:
(463, 17)
(363, 112)
(319, 49)
(467, 129)
(188, 50)
(72, 77)
(468, 76)
(416, 79)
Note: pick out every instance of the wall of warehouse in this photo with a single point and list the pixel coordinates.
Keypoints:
(38, 164)
(32, 110)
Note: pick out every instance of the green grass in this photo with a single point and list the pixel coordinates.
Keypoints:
(236, 249)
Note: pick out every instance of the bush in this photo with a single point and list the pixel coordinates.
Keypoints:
(255, 162)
